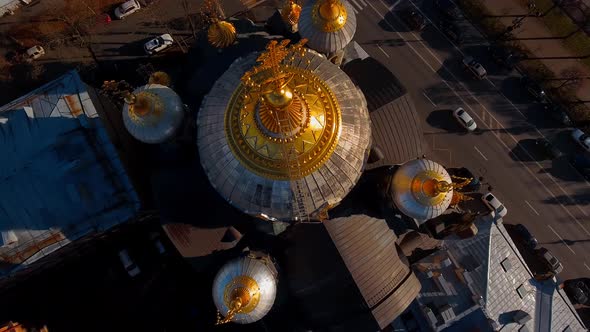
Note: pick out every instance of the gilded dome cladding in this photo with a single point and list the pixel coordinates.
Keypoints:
(280, 143)
(422, 189)
(289, 142)
(221, 34)
(328, 25)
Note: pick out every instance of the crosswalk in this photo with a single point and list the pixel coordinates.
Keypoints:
(358, 5)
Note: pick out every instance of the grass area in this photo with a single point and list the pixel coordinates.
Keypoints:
(561, 25)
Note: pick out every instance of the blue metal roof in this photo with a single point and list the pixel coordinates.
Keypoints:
(60, 176)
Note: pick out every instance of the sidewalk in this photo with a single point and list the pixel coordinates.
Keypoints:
(539, 40)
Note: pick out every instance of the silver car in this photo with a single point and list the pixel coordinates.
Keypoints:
(464, 119)
(475, 67)
(158, 44)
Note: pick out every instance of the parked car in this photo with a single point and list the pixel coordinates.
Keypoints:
(155, 237)
(577, 291)
(494, 205)
(474, 67)
(581, 138)
(464, 172)
(451, 30)
(581, 162)
(558, 113)
(548, 149)
(533, 88)
(34, 52)
(127, 8)
(413, 19)
(447, 9)
(553, 264)
(158, 44)
(504, 57)
(529, 240)
(130, 266)
(464, 119)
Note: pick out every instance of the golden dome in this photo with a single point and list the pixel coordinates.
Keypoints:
(221, 34)
(282, 122)
(290, 12)
(430, 188)
(145, 103)
(329, 15)
(159, 77)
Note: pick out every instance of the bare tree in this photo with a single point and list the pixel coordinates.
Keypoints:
(570, 78)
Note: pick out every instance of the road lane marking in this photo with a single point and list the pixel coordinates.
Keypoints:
(430, 100)
(586, 266)
(486, 110)
(382, 50)
(560, 238)
(532, 208)
(394, 4)
(482, 155)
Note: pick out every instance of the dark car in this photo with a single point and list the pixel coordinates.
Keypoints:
(558, 113)
(529, 240)
(553, 264)
(504, 56)
(472, 186)
(413, 19)
(533, 88)
(577, 291)
(447, 10)
(548, 149)
(451, 30)
(581, 162)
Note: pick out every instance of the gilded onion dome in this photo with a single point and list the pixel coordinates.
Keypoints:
(283, 141)
(221, 34)
(244, 289)
(328, 25)
(422, 189)
(153, 113)
(290, 12)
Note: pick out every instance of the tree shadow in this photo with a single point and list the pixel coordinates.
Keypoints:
(514, 91)
(575, 199)
(527, 150)
(392, 22)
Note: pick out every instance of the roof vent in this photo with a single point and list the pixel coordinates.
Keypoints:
(446, 263)
(506, 264)
(522, 291)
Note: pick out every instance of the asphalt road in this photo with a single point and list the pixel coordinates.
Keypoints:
(547, 196)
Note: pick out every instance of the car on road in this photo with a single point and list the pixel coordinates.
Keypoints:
(474, 67)
(529, 240)
(447, 9)
(581, 138)
(547, 148)
(464, 119)
(533, 88)
(127, 8)
(504, 57)
(34, 52)
(577, 291)
(130, 266)
(413, 19)
(558, 113)
(553, 264)
(452, 31)
(494, 205)
(158, 44)
(581, 161)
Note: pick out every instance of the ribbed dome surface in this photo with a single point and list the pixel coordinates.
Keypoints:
(250, 272)
(410, 189)
(320, 40)
(261, 189)
(162, 118)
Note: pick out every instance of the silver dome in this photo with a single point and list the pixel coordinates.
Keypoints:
(270, 198)
(258, 275)
(321, 41)
(163, 119)
(412, 190)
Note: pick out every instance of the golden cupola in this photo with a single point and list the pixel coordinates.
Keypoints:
(421, 189)
(220, 33)
(329, 25)
(290, 14)
(283, 141)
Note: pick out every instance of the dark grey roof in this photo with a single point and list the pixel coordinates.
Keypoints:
(353, 255)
